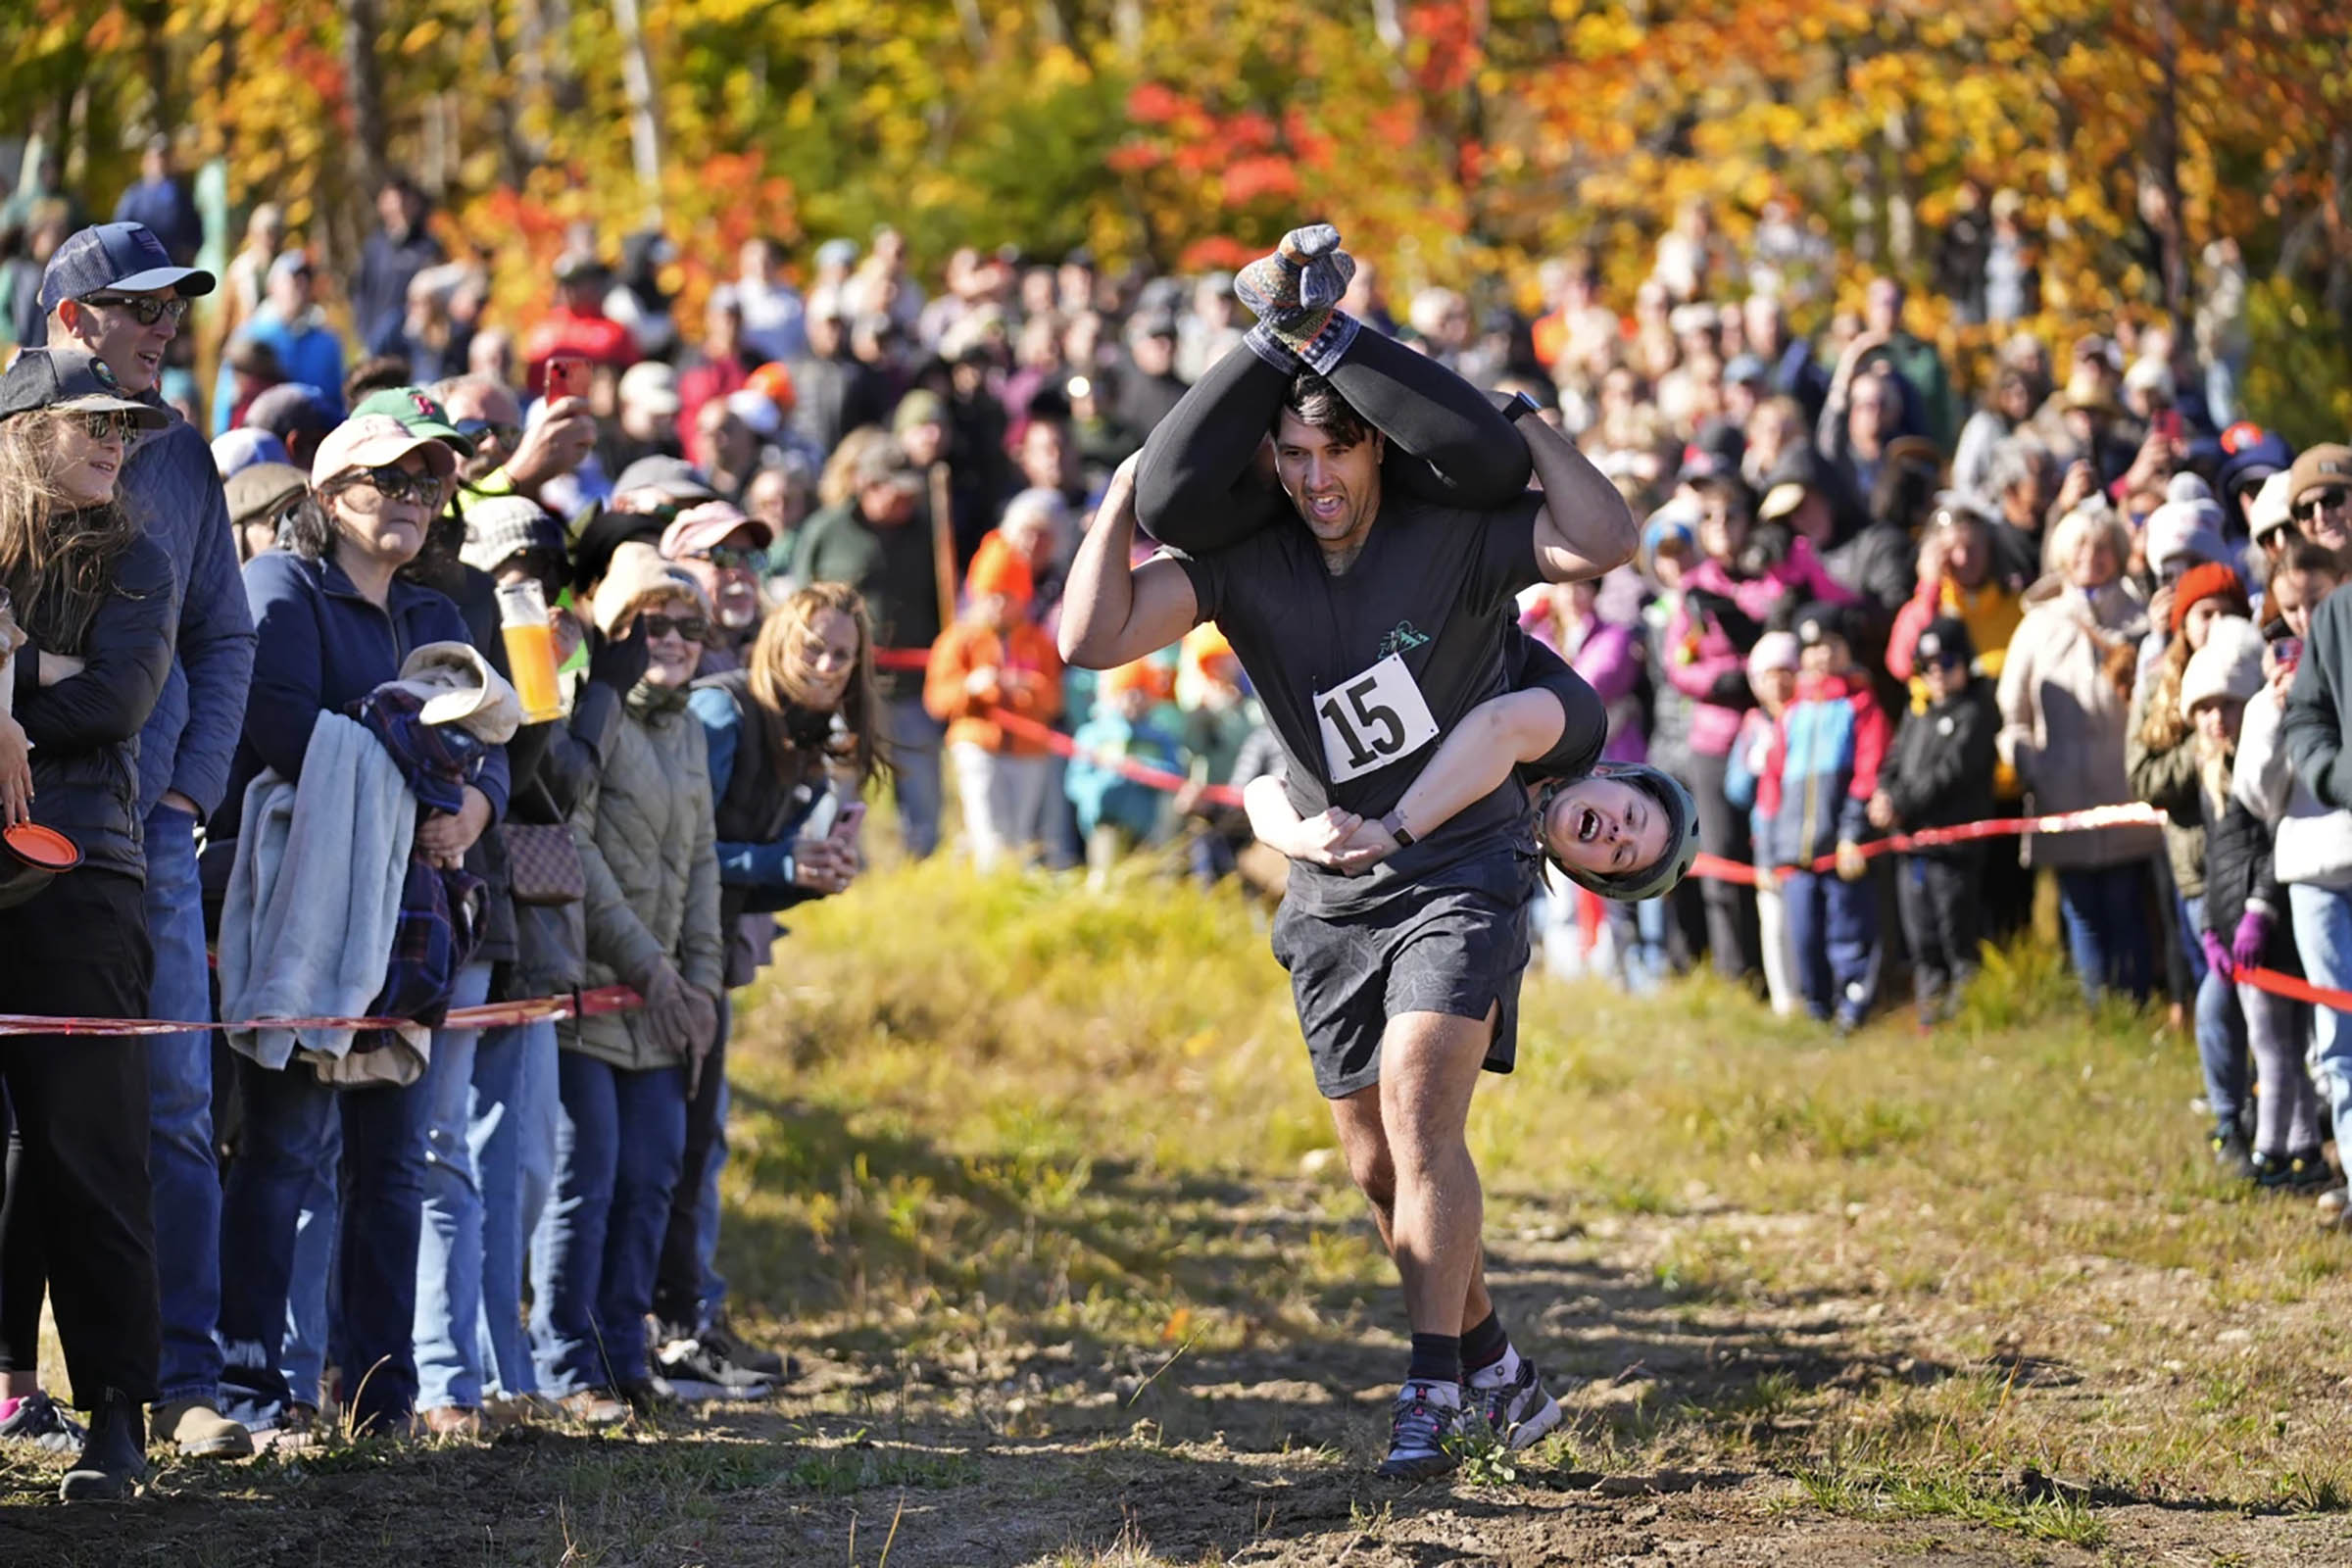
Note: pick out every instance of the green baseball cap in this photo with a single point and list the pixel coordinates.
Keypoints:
(419, 410)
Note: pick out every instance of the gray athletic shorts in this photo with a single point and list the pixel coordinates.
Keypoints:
(1456, 950)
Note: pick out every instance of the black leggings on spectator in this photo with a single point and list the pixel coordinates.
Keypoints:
(78, 1213)
(1198, 486)
(1732, 936)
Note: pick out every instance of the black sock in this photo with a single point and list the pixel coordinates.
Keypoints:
(1484, 1343)
(1436, 1358)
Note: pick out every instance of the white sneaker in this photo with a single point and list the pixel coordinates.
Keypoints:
(1519, 1412)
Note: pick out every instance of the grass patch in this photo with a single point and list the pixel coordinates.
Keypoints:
(1901, 1494)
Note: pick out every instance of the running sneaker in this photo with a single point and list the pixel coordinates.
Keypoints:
(1426, 1425)
(42, 1423)
(1520, 1412)
(2232, 1152)
(699, 1366)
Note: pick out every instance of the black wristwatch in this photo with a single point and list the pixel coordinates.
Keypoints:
(1394, 825)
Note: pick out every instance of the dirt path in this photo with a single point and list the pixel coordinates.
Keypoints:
(1256, 1454)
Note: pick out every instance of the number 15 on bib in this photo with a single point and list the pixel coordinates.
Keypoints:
(1372, 720)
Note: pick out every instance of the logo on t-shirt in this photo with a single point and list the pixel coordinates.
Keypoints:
(1401, 638)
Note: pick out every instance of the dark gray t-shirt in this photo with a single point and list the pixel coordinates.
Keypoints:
(1434, 587)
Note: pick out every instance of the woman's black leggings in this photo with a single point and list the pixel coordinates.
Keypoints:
(1200, 486)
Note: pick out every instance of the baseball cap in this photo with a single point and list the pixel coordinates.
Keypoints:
(2329, 462)
(290, 263)
(774, 381)
(115, 256)
(258, 489)
(1822, 619)
(837, 253)
(419, 410)
(698, 529)
(235, 451)
(651, 386)
(674, 477)
(498, 528)
(459, 687)
(1945, 639)
(1784, 487)
(374, 440)
(67, 378)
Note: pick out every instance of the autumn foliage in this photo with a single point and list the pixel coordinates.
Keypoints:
(1454, 140)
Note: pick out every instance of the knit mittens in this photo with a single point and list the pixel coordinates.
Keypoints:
(1296, 293)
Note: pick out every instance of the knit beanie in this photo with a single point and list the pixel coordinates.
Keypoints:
(2212, 580)
(2191, 528)
(2228, 665)
(998, 569)
(1775, 650)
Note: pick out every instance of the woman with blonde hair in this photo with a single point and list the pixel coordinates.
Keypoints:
(86, 611)
(793, 737)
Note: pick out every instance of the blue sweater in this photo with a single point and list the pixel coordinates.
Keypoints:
(171, 488)
(324, 646)
(307, 352)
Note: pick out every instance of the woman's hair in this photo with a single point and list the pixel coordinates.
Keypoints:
(839, 482)
(307, 530)
(57, 560)
(773, 669)
(2163, 726)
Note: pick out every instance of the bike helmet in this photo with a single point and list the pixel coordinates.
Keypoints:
(1682, 833)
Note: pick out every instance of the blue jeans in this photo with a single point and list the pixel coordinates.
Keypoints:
(1832, 930)
(2105, 908)
(181, 1165)
(291, 1122)
(310, 1298)
(2323, 938)
(449, 1246)
(2221, 1025)
(915, 738)
(514, 1157)
(619, 1145)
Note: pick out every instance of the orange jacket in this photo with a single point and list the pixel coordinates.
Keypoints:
(1026, 672)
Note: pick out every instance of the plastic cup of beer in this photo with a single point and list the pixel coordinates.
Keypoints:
(530, 651)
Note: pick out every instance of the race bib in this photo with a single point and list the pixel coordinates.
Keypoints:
(1372, 720)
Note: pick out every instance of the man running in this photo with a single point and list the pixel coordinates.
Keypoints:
(1371, 622)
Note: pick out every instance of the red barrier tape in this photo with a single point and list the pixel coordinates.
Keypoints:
(489, 1016)
(2134, 814)
(1159, 778)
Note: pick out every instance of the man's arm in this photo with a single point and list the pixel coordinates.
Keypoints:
(216, 652)
(1585, 528)
(2312, 725)
(1112, 612)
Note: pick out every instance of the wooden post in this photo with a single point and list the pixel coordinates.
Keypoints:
(943, 543)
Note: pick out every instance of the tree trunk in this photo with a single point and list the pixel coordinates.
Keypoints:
(2162, 158)
(363, 22)
(637, 81)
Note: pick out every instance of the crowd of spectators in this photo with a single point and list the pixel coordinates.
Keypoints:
(568, 648)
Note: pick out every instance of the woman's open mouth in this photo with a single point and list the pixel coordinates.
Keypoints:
(1588, 826)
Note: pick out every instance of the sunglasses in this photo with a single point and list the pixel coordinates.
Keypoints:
(2320, 501)
(694, 628)
(108, 425)
(732, 558)
(145, 311)
(397, 485)
(506, 435)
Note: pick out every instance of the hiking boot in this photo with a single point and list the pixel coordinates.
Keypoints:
(1519, 1412)
(594, 1407)
(699, 1366)
(1426, 1425)
(2231, 1152)
(113, 1461)
(755, 1359)
(2302, 1172)
(199, 1431)
(40, 1422)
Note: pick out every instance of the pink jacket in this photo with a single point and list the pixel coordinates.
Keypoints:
(1701, 651)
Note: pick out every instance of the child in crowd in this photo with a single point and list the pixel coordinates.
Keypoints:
(1219, 716)
(2244, 927)
(1754, 781)
(1117, 813)
(1832, 740)
(995, 659)
(1939, 774)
